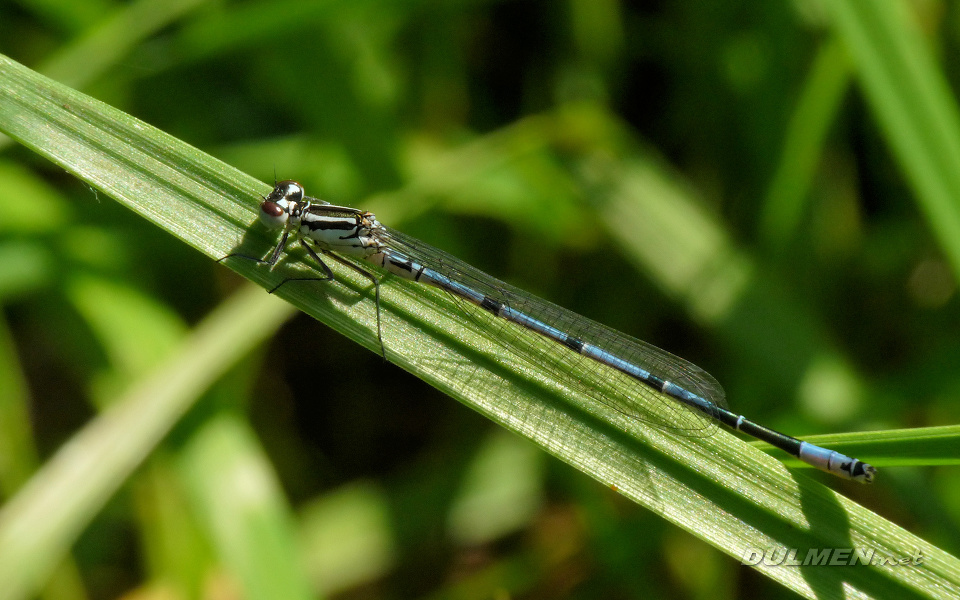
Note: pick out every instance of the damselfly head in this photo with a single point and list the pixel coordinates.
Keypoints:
(280, 204)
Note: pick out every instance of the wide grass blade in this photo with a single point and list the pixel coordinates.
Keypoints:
(719, 488)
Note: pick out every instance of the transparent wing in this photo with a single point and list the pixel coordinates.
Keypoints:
(595, 380)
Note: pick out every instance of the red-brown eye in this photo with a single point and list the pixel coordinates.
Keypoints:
(273, 214)
(271, 209)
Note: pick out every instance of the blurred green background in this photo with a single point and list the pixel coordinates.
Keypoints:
(737, 184)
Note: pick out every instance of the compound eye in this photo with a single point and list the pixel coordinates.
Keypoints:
(273, 215)
(291, 190)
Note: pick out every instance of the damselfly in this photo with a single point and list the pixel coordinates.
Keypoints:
(658, 377)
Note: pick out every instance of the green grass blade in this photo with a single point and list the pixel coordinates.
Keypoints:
(719, 488)
(18, 456)
(815, 114)
(921, 446)
(241, 502)
(913, 104)
(41, 522)
(102, 46)
(113, 38)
